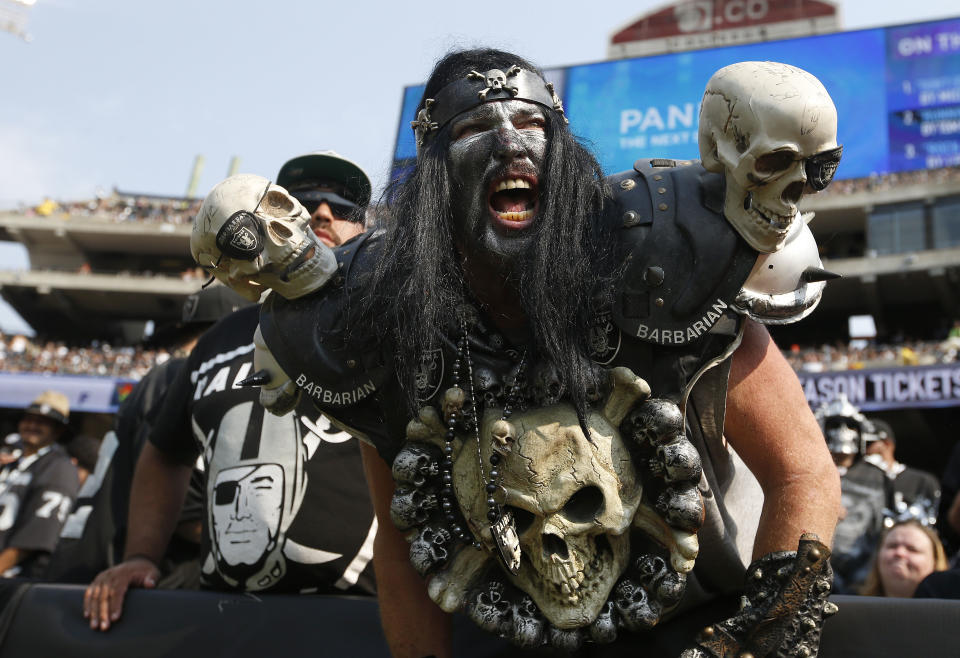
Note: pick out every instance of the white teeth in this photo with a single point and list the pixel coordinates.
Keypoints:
(512, 184)
(516, 216)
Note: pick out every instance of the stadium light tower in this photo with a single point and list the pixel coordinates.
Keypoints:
(14, 15)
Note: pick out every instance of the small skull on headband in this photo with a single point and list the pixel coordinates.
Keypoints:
(423, 125)
(496, 80)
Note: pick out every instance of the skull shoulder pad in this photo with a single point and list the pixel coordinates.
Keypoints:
(307, 336)
(684, 262)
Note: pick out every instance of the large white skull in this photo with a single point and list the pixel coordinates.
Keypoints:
(759, 123)
(573, 501)
(269, 229)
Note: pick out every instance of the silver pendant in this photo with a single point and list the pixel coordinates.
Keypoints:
(507, 543)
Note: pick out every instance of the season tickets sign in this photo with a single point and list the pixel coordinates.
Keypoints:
(897, 92)
(888, 388)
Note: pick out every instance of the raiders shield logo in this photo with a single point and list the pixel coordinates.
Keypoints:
(240, 236)
(604, 338)
(429, 375)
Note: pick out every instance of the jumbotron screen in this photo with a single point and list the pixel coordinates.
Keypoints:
(897, 92)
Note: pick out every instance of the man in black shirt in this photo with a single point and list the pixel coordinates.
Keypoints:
(287, 505)
(37, 490)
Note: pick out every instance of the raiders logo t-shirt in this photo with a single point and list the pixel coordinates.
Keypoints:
(287, 507)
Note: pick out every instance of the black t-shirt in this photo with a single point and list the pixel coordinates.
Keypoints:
(939, 585)
(36, 495)
(287, 507)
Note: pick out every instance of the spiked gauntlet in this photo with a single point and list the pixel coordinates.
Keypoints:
(781, 611)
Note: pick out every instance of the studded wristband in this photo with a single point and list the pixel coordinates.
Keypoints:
(782, 609)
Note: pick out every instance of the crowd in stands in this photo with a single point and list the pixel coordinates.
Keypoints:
(899, 524)
(877, 183)
(187, 274)
(18, 353)
(119, 207)
(860, 355)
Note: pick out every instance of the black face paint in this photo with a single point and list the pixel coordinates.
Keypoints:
(495, 140)
(821, 167)
(241, 236)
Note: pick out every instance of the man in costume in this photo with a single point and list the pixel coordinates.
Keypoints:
(538, 359)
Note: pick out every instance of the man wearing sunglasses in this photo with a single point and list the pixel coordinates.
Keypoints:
(271, 521)
(334, 190)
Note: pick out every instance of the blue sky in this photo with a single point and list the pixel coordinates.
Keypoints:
(113, 93)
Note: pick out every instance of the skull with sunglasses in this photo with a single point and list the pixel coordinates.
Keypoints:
(771, 129)
(255, 236)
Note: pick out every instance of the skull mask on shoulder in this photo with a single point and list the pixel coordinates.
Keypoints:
(254, 236)
(771, 129)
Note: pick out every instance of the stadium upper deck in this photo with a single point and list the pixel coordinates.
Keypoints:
(101, 269)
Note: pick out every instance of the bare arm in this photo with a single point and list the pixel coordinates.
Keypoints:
(771, 427)
(159, 487)
(413, 624)
(10, 557)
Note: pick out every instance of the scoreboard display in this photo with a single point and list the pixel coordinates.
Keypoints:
(897, 92)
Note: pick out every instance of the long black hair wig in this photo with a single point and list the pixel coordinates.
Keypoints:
(418, 283)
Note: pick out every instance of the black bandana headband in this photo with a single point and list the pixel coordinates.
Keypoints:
(478, 88)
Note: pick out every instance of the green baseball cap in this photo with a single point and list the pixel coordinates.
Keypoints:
(324, 167)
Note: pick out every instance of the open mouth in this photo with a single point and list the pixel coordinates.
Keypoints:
(305, 255)
(514, 200)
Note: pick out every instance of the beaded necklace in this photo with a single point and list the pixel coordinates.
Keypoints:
(502, 529)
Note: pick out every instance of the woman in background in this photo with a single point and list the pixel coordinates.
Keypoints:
(908, 553)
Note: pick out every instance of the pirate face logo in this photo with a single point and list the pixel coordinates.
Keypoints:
(247, 509)
(429, 374)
